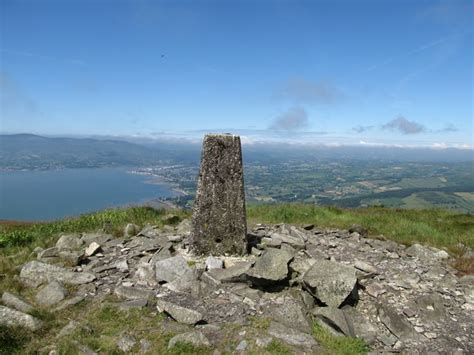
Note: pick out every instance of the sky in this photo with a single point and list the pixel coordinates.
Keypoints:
(323, 72)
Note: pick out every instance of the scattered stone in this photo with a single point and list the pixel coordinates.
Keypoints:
(195, 338)
(291, 336)
(12, 318)
(172, 268)
(92, 249)
(35, 273)
(133, 304)
(175, 238)
(126, 343)
(219, 221)
(122, 265)
(422, 253)
(271, 267)
(375, 289)
(242, 346)
(330, 282)
(395, 322)
(263, 342)
(335, 320)
(366, 267)
(214, 263)
(69, 241)
(16, 302)
(133, 293)
(130, 230)
(357, 228)
(51, 294)
(295, 241)
(234, 273)
(69, 302)
(179, 313)
(68, 329)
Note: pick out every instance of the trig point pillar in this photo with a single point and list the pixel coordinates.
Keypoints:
(219, 222)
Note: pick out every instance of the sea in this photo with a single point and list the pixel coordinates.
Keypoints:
(55, 194)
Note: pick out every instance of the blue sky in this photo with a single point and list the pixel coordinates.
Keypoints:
(332, 72)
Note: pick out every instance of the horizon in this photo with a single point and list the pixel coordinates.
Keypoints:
(397, 74)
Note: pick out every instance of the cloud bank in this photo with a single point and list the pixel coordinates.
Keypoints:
(294, 118)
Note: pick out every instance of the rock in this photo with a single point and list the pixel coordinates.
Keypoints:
(68, 329)
(234, 273)
(145, 346)
(195, 338)
(395, 322)
(214, 263)
(175, 238)
(295, 241)
(263, 342)
(330, 282)
(121, 265)
(35, 273)
(92, 249)
(12, 318)
(179, 313)
(375, 289)
(366, 267)
(48, 253)
(308, 227)
(69, 302)
(357, 228)
(133, 293)
(271, 267)
(219, 221)
(172, 268)
(291, 336)
(16, 302)
(130, 230)
(145, 273)
(242, 346)
(290, 312)
(335, 320)
(422, 253)
(126, 343)
(171, 219)
(51, 294)
(270, 242)
(69, 241)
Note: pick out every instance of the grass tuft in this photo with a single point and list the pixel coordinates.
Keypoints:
(339, 345)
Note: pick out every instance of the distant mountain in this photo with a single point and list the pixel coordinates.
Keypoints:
(28, 151)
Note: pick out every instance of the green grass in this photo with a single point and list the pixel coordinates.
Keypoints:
(439, 228)
(338, 345)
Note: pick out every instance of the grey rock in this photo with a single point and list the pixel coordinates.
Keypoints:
(146, 273)
(16, 302)
(172, 268)
(195, 338)
(121, 265)
(263, 342)
(366, 267)
(69, 241)
(145, 346)
(421, 252)
(147, 244)
(48, 253)
(35, 273)
(289, 311)
(132, 293)
(234, 273)
(219, 221)
(296, 242)
(357, 228)
(291, 336)
(330, 282)
(214, 263)
(69, 302)
(126, 343)
(92, 249)
(51, 294)
(130, 230)
(395, 322)
(179, 313)
(335, 319)
(12, 318)
(133, 304)
(175, 238)
(271, 242)
(68, 329)
(271, 267)
(242, 346)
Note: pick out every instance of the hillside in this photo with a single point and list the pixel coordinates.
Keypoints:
(116, 313)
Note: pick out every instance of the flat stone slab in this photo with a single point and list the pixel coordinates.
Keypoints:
(330, 282)
(179, 313)
(16, 302)
(271, 267)
(12, 318)
(173, 268)
(291, 336)
(219, 222)
(35, 273)
(234, 273)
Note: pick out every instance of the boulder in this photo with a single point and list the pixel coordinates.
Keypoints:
(51, 294)
(16, 302)
(172, 268)
(271, 267)
(12, 318)
(92, 249)
(234, 273)
(335, 320)
(214, 263)
(35, 273)
(133, 293)
(291, 336)
(295, 240)
(130, 230)
(330, 282)
(179, 313)
(194, 337)
(70, 241)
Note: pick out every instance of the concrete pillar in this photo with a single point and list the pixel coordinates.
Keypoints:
(219, 222)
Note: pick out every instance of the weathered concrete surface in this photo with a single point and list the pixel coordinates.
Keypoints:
(219, 222)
